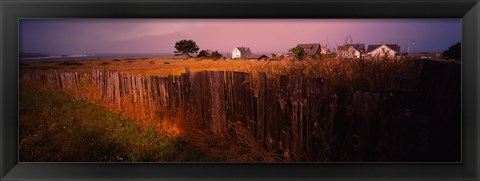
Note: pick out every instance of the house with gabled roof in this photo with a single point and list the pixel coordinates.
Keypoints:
(257, 57)
(205, 53)
(383, 50)
(351, 50)
(241, 52)
(314, 50)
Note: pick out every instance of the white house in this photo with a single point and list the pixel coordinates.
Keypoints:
(241, 52)
(351, 50)
(383, 50)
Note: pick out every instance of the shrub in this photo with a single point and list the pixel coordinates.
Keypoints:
(215, 55)
(299, 52)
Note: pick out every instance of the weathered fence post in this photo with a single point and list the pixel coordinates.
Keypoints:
(217, 98)
(364, 115)
(261, 108)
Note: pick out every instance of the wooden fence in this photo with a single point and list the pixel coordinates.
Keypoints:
(295, 116)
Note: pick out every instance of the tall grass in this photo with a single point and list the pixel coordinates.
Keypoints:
(374, 75)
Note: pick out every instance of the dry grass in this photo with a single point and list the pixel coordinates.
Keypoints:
(139, 66)
(368, 75)
(356, 75)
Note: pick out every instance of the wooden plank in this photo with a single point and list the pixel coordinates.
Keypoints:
(77, 82)
(187, 86)
(184, 90)
(141, 93)
(261, 108)
(110, 88)
(148, 89)
(298, 106)
(197, 100)
(206, 100)
(117, 90)
(176, 90)
(156, 91)
(104, 84)
(271, 115)
(217, 103)
(238, 80)
(230, 109)
(148, 96)
(285, 112)
(251, 105)
(163, 91)
(169, 87)
(317, 120)
(128, 88)
(134, 90)
(365, 113)
(244, 100)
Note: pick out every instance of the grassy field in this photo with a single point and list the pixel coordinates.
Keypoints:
(57, 127)
(144, 66)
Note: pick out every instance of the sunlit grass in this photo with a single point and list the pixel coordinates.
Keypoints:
(57, 127)
(139, 66)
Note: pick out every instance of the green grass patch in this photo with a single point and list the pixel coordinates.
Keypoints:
(56, 127)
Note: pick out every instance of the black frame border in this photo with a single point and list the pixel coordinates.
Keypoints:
(11, 11)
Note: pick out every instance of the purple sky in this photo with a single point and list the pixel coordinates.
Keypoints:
(91, 36)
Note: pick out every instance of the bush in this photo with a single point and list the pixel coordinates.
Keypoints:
(215, 55)
(454, 52)
(299, 52)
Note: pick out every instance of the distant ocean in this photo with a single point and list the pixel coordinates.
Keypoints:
(91, 57)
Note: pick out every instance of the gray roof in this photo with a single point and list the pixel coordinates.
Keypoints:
(311, 48)
(358, 46)
(394, 47)
(257, 57)
(243, 49)
(205, 53)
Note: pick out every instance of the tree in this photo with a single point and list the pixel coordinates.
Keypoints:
(185, 47)
(299, 52)
(216, 55)
(453, 52)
